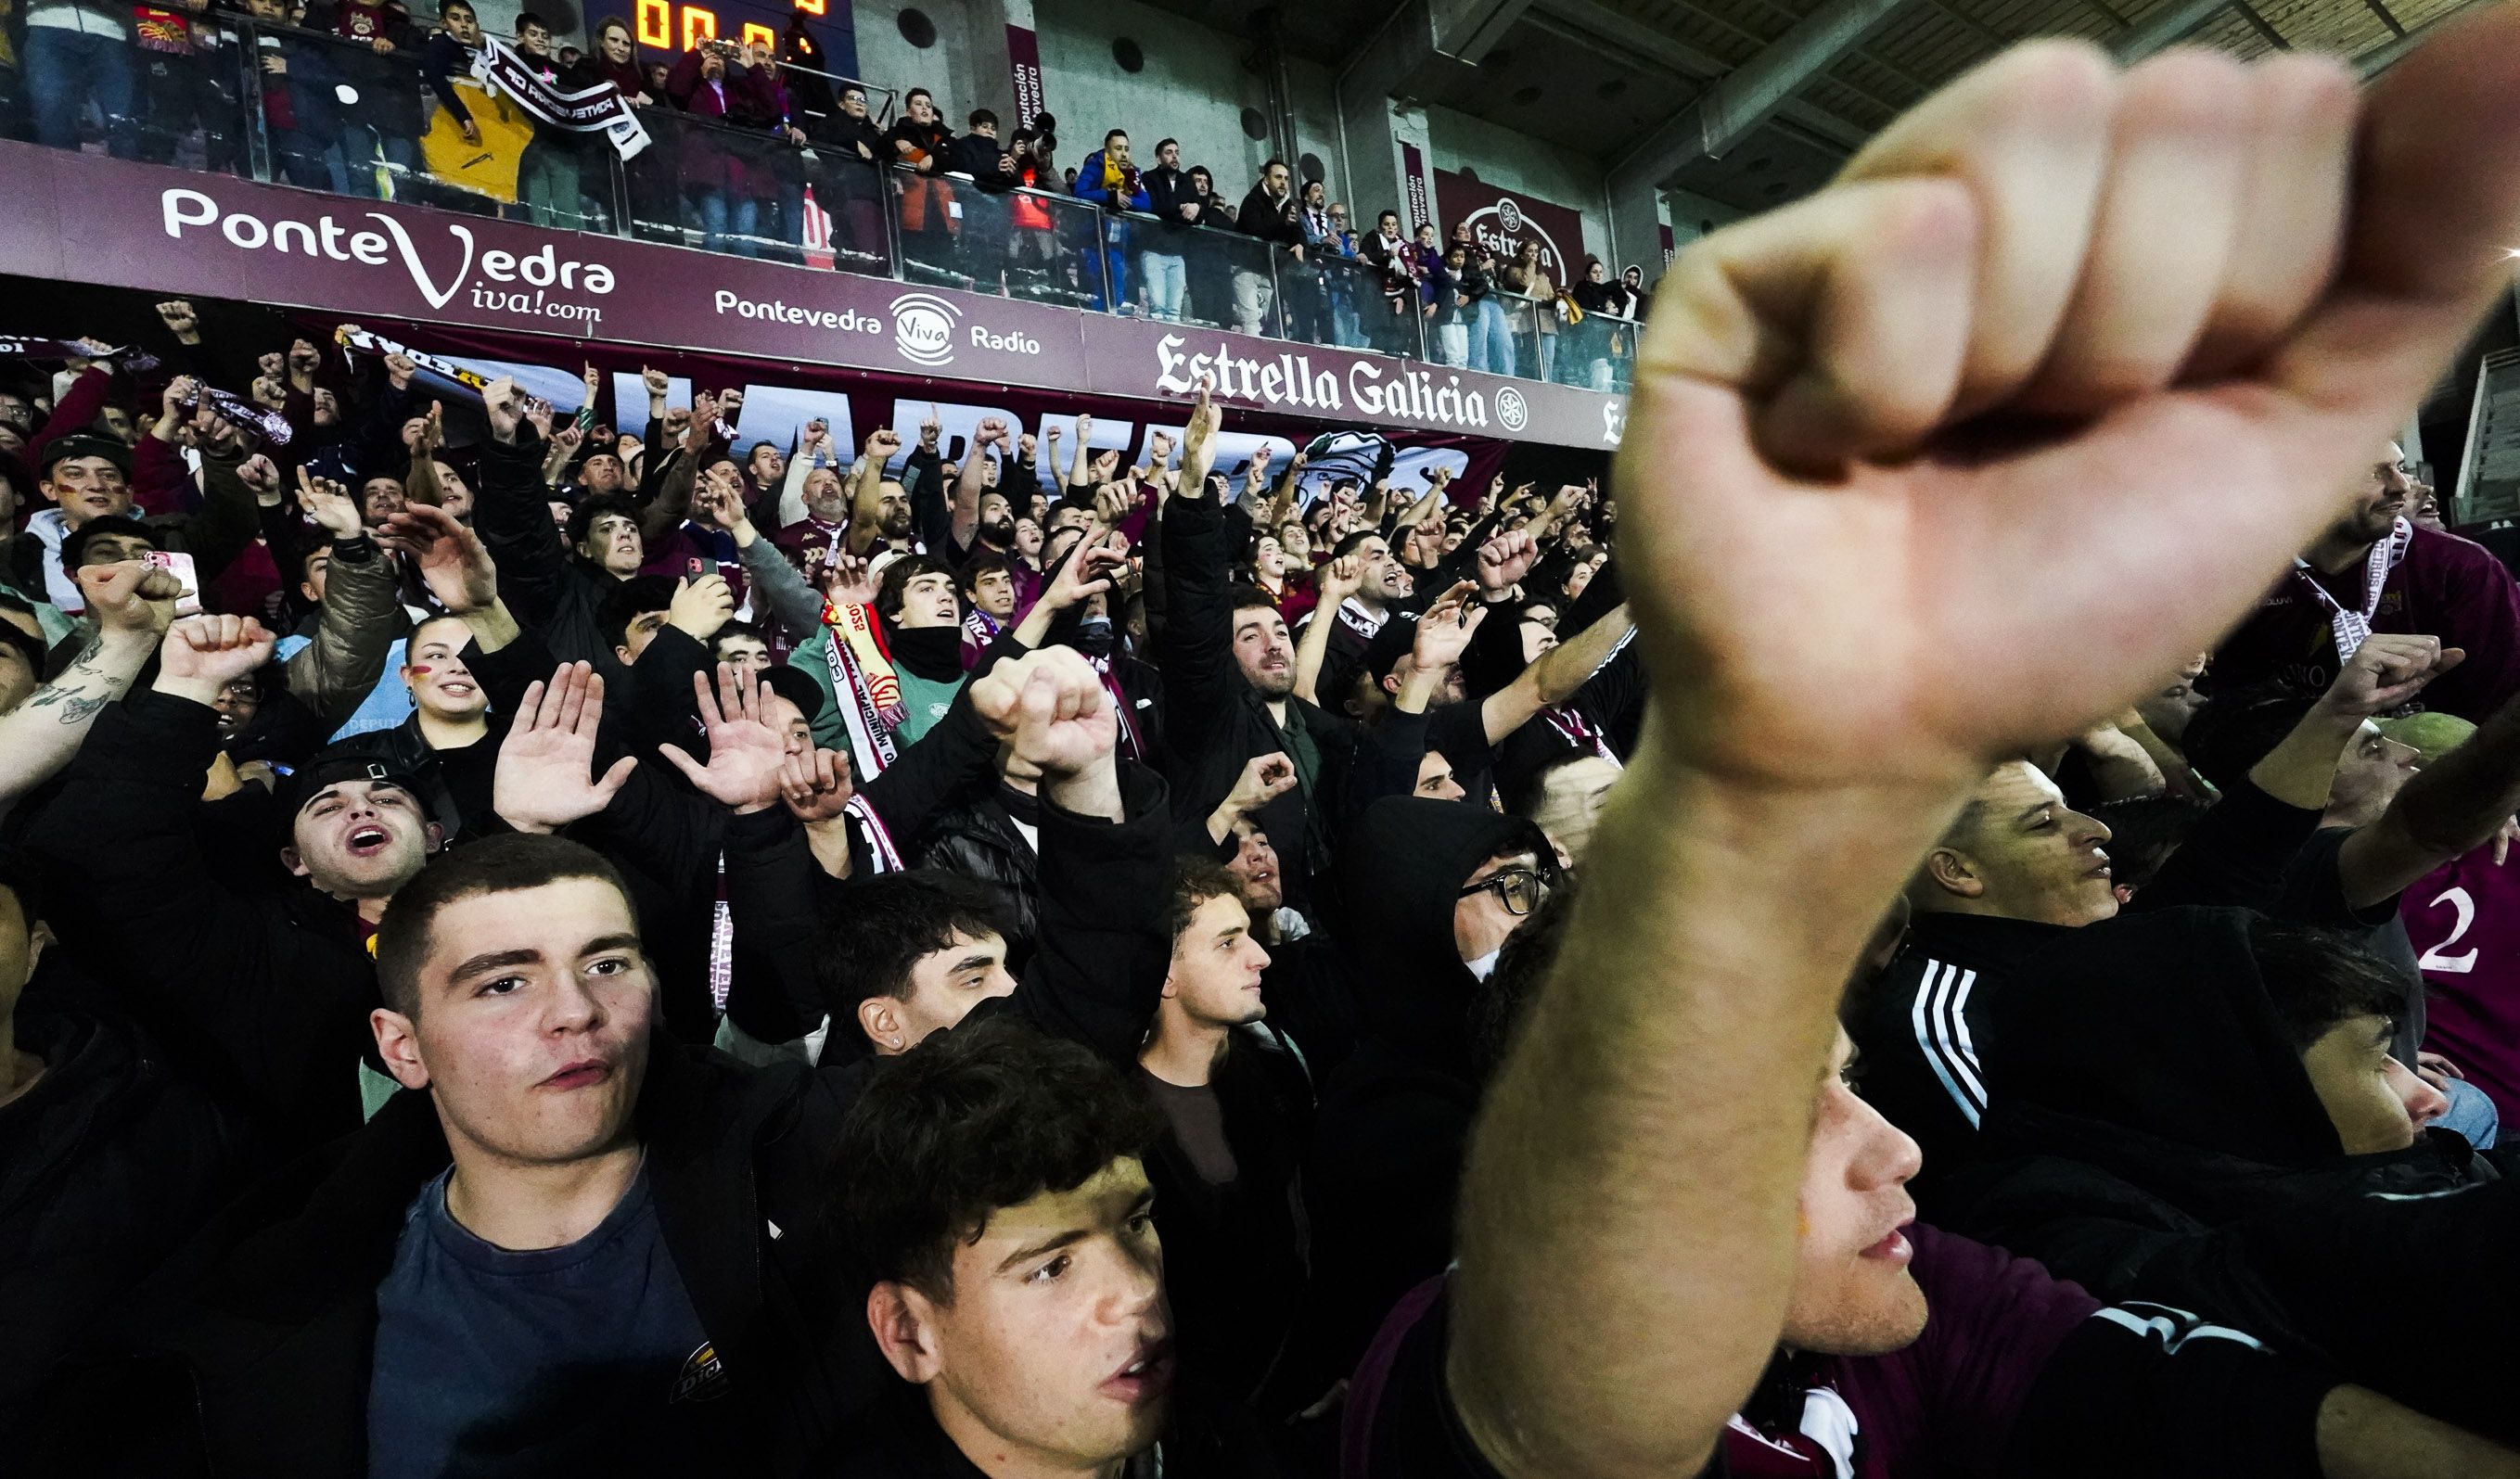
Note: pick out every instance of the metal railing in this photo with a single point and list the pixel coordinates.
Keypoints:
(289, 106)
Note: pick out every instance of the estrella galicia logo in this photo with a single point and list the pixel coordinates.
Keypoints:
(1509, 215)
(922, 328)
(1512, 413)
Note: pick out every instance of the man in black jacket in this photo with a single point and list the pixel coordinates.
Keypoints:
(1269, 212)
(1434, 889)
(554, 589)
(110, 1153)
(1238, 1096)
(275, 980)
(1229, 680)
(1176, 205)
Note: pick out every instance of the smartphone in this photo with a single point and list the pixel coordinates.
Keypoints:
(695, 566)
(180, 565)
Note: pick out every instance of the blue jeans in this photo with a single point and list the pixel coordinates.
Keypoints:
(1491, 340)
(1164, 277)
(64, 69)
(2472, 1114)
(730, 229)
(1117, 258)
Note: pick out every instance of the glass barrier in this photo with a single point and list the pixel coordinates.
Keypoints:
(189, 102)
(705, 183)
(1338, 301)
(326, 112)
(1595, 353)
(1226, 280)
(1020, 244)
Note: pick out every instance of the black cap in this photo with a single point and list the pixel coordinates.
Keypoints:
(345, 765)
(796, 687)
(85, 444)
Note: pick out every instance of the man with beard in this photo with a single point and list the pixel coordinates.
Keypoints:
(879, 510)
(2376, 570)
(274, 985)
(1382, 583)
(1228, 669)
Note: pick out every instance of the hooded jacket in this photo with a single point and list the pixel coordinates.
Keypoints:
(2149, 1132)
(1395, 1118)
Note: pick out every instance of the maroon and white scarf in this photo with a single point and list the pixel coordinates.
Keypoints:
(2352, 626)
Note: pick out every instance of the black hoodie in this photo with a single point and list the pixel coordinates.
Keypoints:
(1395, 1118)
(2150, 1134)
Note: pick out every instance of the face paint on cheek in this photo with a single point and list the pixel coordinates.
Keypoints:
(417, 671)
(1802, 1222)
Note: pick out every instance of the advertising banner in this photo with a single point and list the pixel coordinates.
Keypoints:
(1505, 219)
(82, 218)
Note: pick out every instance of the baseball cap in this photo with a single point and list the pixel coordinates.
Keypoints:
(336, 766)
(796, 687)
(85, 444)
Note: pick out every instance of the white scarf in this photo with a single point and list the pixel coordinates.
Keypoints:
(2352, 626)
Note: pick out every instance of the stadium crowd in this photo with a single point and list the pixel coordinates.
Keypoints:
(617, 949)
(758, 149)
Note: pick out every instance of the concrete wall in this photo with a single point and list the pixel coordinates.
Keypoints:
(1518, 161)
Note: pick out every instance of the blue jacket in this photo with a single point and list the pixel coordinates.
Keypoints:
(1089, 187)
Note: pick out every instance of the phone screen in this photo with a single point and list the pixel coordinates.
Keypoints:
(180, 564)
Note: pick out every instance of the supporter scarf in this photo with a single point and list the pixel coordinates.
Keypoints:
(599, 109)
(352, 337)
(979, 628)
(881, 853)
(1132, 746)
(863, 681)
(273, 427)
(1578, 732)
(1353, 615)
(2352, 626)
(130, 356)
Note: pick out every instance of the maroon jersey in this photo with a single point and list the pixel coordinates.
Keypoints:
(2464, 922)
(2446, 587)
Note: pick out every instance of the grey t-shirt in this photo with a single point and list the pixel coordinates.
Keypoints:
(586, 1358)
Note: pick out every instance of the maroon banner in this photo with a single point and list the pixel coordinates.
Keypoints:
(1412, 169)
(1023, 64)
(1505, 219)
(92, 219)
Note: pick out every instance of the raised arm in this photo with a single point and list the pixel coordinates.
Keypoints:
(1554, 678)
(1339, 580)
(866, 490)
(132, 604)
(359, 617)
(2021, 246)
(1106, 851)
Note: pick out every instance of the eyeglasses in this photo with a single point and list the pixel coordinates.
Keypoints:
(1519, 889)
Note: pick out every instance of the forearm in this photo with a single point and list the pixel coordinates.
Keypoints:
(1313, 651)
(866, 501)
(356, 625)
(2121, 768)
(38, 736)
(2364, 1435)
(665, 512)
(492, 627)
(2297, 771)
(1569, 665)
(421, 484)
(1623, 1177)
(792, 604)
